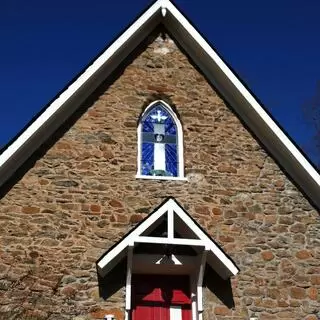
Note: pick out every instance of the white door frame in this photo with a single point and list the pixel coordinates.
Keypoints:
(193, 266)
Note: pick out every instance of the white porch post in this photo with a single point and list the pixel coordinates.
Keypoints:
(193, 286)
(170, 222)
(128, 281)
(200, 282)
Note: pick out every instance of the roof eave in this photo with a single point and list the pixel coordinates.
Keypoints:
(245, 105)
(13, 157)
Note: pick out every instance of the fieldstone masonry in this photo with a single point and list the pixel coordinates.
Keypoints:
(82, 196)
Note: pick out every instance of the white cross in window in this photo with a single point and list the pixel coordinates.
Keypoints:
(159, 148)
(159, 117)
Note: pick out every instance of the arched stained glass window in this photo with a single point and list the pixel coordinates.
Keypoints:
(160, 142)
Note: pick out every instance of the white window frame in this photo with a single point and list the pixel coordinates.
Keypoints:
(180, 168)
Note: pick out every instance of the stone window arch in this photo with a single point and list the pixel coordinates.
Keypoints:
(160, 143)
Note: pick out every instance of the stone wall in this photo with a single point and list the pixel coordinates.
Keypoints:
(82, 196)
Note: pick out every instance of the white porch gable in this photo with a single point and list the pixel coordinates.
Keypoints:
(177, 221)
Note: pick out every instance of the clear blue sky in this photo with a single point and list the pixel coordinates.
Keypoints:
(273, 46)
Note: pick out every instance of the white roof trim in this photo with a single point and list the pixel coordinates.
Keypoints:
(217, 72)
(226, 267)
(89, 72)
(246, 94)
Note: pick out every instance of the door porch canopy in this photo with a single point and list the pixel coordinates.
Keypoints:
(168, 233)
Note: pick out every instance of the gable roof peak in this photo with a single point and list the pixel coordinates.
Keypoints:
(209, 62)
(163, 10)
(164, 3)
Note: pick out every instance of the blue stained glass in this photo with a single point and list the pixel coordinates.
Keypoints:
(147, 158)
(170, 127)
(171, 159)
(158, 114)
(147, 126)
(159, 117)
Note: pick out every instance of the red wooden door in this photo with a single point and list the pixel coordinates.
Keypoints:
(160, 297)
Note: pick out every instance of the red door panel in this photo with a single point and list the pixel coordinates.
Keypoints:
(151, 312)
(152, 296)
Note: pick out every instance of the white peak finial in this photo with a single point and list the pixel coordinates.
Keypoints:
(164, 4)
(163, 11)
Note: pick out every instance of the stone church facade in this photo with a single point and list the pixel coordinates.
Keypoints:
(78, 195)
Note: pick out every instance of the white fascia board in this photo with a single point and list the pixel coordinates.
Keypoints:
(175, 241)
(257, 108)
(80, 82)
(213, 248)
(132, 237)
(187, 220)
(209, 244)
(149, 221)
(117, 250)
